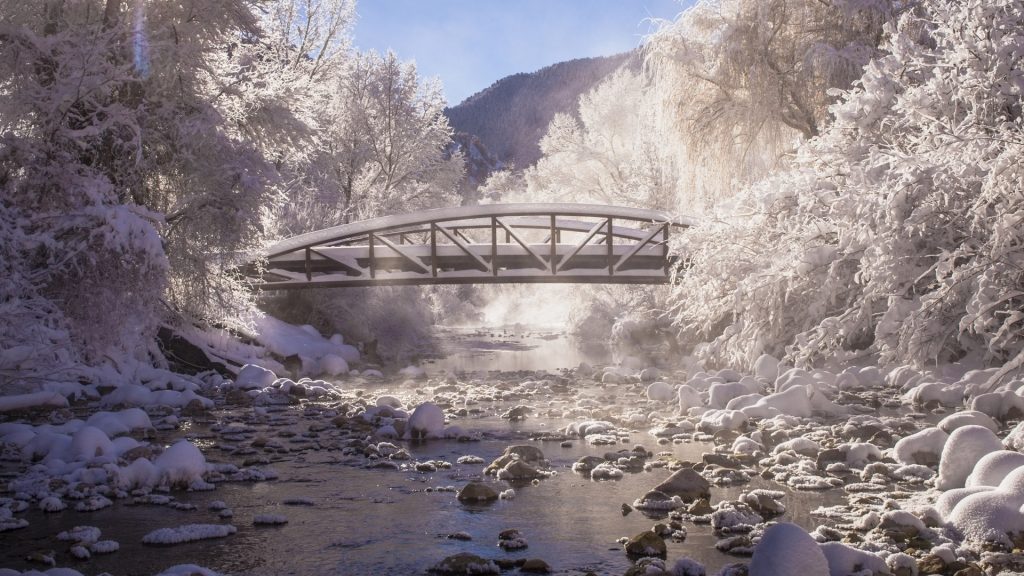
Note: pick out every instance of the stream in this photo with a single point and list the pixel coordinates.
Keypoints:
(344, 517)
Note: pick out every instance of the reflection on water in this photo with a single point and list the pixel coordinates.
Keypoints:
(372, 521)
(514, 348)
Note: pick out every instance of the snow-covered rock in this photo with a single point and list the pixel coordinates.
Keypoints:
(844, 560)
(181, 464)
(967, 418)
(965, 447)
(426, 421)
(922, 447)
(188, 533)
(993, 467)
(660, 392)
(788, 550)
(252, 377)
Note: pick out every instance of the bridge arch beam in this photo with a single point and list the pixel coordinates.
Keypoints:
(488, 244)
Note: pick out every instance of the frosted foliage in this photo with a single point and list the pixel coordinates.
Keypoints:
(897, 231)
(611, 155)
(381, 151)
(747, 78)
(123, 186)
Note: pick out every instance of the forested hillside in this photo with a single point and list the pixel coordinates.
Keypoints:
(511, 115)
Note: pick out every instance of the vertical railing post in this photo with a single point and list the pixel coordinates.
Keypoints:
(373, 266)
(494, 245)
(309, 264)
(433, 249)
(664, 247)
(554, 246)
(611, 249)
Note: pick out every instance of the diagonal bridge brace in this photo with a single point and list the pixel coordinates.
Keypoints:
(543, 264)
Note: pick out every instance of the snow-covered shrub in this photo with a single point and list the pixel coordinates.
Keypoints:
(897, 230)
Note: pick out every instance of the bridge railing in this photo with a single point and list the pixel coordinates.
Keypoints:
(500, 243)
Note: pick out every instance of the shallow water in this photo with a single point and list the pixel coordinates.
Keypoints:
(513, 348)
(374, 521)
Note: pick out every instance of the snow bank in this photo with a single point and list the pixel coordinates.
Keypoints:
(33, 400)
(285, 340)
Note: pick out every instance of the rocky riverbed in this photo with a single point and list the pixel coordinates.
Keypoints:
(593, 470)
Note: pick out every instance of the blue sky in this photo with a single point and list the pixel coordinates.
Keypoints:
(471, 43)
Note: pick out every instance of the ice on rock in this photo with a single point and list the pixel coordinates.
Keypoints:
(426, 421)
(965, 447)
(922, 447)
(660, 392)
(844, 560)
(605, 471)
(788, 550)
(188, 533)
(967, 418)
(993, 467)
(181, 464)
(81, 535)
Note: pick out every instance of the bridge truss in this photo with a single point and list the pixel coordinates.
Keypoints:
(488, 244)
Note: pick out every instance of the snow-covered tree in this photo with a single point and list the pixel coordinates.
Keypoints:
(382, 150)
(898, 231)
(742, 80)
(130, 192)
(611, 155)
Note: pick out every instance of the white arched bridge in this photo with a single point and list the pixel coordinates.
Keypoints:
(488, 244)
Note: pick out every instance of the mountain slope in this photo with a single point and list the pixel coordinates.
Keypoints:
(512, 115)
